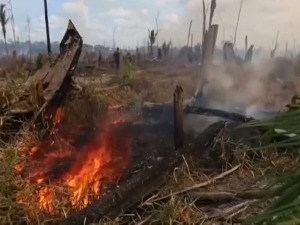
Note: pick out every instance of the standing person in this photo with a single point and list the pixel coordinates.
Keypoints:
(99, 58)
(117, 58)
(159, 54)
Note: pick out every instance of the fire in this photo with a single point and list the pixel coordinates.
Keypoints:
(59, 115)
(77, 161)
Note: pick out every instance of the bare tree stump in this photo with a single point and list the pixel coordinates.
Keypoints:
(47, 89)
(178, 117)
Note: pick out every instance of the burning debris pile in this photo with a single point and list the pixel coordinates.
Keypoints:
(70, 166)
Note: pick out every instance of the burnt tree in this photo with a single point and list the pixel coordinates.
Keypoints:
(46, 90)
(209, 38)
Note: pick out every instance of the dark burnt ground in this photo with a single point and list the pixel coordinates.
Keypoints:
(152, 142)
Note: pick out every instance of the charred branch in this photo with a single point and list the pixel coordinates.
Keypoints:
(163, 112)
(216, 112)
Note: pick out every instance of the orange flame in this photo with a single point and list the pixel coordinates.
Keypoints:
(78, 162)
(59, 115)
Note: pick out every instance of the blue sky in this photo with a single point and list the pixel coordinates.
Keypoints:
(96, 20)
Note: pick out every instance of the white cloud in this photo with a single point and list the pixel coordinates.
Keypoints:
(119, 12)
(78, 8)
(260, 20)
(172, 19)
(165, 2)
(144, 12)
(131, 25)
(89, 26)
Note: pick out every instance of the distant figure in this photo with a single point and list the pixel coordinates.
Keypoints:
(159, 54)
(99, 58)
(117, 58)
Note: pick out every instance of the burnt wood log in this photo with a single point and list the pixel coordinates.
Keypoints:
(142, 184)
(48, 88)
(164, 112)
(218, 113)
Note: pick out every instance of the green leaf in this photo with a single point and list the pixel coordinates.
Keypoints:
(286, 209)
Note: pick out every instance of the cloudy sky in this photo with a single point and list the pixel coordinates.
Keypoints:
(96, 20)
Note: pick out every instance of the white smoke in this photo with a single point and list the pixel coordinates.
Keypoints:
(250, 87)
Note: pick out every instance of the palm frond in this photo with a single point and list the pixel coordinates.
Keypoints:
(284, 131)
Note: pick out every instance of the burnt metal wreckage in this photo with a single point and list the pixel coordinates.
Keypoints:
(53, 84)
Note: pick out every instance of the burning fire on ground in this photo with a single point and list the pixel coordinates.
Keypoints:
(75, 162)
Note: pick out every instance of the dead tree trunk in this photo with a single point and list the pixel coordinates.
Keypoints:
(189, 33)
(207, 57)
(249, 55)
(228, 52)
(48, 88)
(246, 43)
(57, 79)
(273, 51)
(208, 47)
